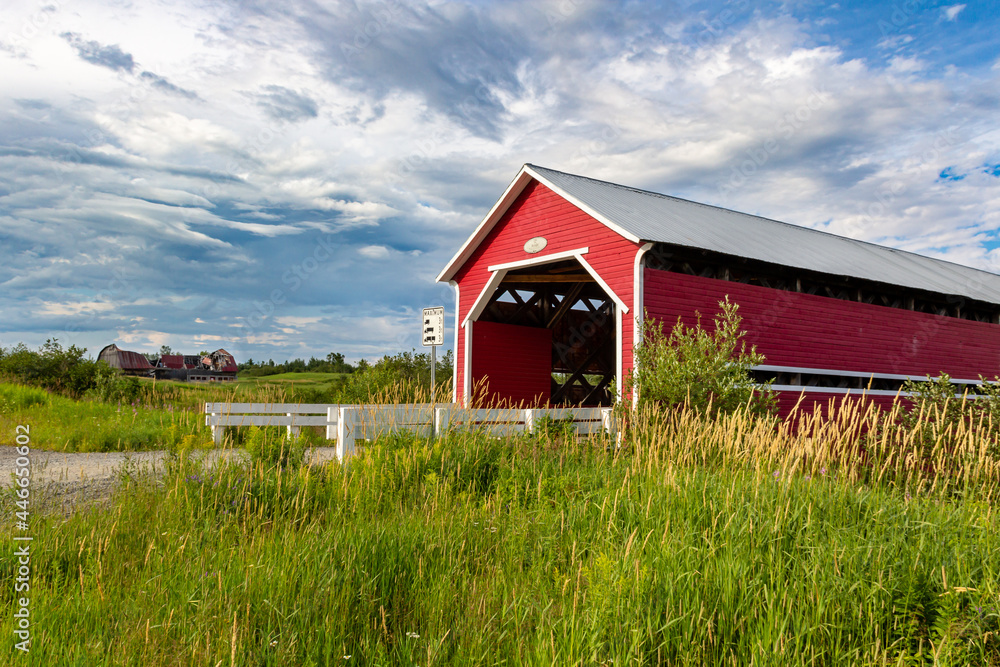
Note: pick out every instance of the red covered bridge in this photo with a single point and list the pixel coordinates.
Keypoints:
(552, 283)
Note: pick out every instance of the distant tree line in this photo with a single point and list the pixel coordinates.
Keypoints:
(334, 363)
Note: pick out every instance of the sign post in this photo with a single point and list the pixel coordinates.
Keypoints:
(432, 335)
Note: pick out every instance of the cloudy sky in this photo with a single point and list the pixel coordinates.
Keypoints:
(286, 179)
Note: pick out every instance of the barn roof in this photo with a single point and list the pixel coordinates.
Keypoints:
(124, 359)
(174, 361)
(226, 360)
(641, 215)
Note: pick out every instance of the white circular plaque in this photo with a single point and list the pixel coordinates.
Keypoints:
(536, 244)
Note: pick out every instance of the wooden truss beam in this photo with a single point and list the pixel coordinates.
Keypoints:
(550, 278)
(566, 304)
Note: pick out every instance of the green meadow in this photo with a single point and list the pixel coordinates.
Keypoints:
(63, 424)
(691, 541)
(158, 415)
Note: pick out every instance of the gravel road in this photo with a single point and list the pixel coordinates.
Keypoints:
(63, 481)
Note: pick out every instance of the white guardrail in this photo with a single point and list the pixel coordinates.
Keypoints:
(348, 424)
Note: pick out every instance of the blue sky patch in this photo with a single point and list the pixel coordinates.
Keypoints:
(949, 174)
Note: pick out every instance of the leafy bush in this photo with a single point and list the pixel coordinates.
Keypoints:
(941, 412)
(112, 387)
(402, 378)
(707, 370)
(65, 371)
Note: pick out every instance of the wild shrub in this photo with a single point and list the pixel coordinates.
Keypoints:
(399, 378)
(940, 415)
(112, 387)
(65, 371)
(707, 370)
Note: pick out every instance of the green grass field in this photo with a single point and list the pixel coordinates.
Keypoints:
(63, 424)
(164, 415)
(297, 378)
(718, 543)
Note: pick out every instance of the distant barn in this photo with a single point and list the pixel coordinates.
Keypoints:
(219, 366)
(129, 363)
(553, 283)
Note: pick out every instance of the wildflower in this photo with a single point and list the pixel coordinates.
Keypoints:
(822, 471)
(274, 642)
(777, 474)
(413, 635)
(347, 657)
(808, 477)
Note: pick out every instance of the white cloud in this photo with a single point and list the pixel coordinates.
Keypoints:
(73, 309)
(209, 206)
(952, 11)
(374, 251)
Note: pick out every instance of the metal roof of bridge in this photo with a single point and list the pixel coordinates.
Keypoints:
(648, 216)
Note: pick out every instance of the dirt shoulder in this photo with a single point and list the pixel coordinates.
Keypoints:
(65, 481)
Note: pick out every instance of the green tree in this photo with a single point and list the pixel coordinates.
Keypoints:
(64, 370)
(405, 376)
(707, 370)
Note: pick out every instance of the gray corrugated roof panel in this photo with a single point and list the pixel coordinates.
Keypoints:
(660, 218)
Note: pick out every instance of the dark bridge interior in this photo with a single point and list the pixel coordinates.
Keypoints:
(566, 299)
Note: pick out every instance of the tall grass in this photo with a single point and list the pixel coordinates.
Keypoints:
(689, 542)
(162, 416)
(64, 424)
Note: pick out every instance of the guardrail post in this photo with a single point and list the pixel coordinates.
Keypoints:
(529, 420)
(442, 420)
(331, 422)
(607, 420)
(212, 420)
(346, 421)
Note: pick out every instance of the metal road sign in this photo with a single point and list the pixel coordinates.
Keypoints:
(432, 332)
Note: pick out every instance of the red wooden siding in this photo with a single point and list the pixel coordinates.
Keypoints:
(540, 212)
(813, 400)
(809, 331)
(515, 361)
